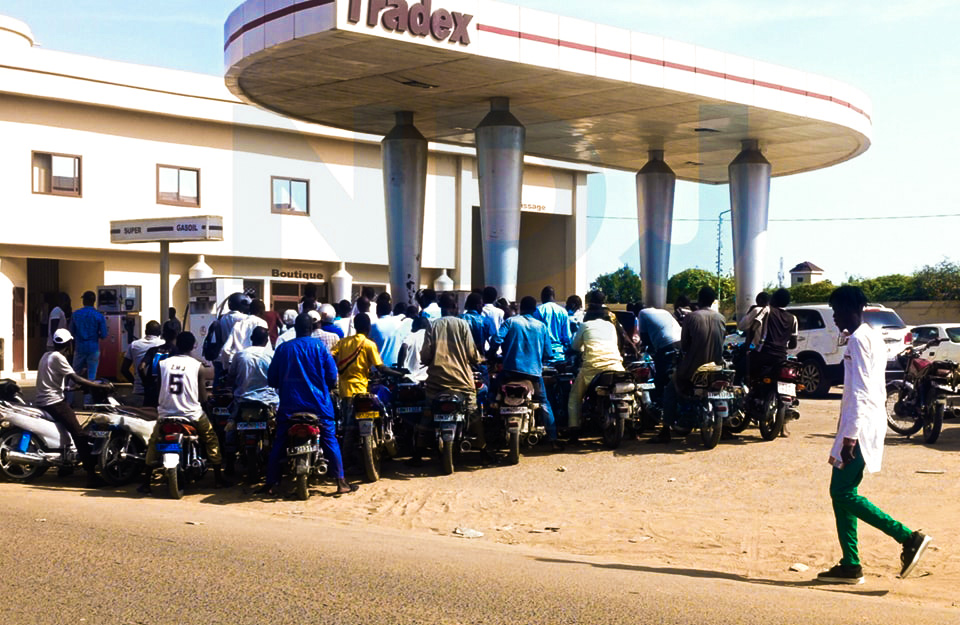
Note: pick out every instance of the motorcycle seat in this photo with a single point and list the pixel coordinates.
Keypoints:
(303, 417)
(518, 389)
(607, 378)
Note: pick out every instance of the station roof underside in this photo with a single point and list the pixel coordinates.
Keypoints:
(357, 81)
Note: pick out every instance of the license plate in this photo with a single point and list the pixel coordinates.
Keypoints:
(512, 410)
(302, 449)
(445, 418)
(409, 409)
(647, 386)
(168, 448)
(252, 425)
(720, 395)
(621, 397)
(221, 412)
(367, 415)
(98, 433)
(787, 388)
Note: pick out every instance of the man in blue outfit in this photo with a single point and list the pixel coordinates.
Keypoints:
(525, 347)
(303, 372)
(557, 320)
(479, 325)
(88, 326)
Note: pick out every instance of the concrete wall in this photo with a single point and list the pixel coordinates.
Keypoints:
(918, 313)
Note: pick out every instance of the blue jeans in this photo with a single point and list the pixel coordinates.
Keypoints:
(86, 361)
(328, 443)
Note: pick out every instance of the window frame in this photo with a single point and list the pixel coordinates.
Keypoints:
(808, 314)
(52, 191)
(178, 202)
(281, 211)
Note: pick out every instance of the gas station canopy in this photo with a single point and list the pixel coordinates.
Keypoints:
(585, 92)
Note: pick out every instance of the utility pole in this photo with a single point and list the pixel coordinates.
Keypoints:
(720, 251)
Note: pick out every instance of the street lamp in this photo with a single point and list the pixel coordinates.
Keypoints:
(720, 249)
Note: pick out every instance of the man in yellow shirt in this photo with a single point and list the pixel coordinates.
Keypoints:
(356, 357)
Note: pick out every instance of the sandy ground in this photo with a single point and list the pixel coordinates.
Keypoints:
(748, 509)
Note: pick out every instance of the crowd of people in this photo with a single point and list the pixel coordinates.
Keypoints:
(307, 359)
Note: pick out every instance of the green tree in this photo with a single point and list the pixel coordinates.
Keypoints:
(938, 282)
(689, 281)
(621, 287)
(894, 287)
(806, 293)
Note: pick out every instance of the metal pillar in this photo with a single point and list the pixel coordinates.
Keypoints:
(750, 202)
(655, 185)
(500, 141)
(164, 279)
(404, 152)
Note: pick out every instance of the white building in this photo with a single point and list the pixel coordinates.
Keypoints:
(806, 273)
(106, 141)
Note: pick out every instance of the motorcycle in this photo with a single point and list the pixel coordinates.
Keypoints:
(515, 406)
(31, 442)
(610, 404)
(450, 420)
(770, 400)
(183, 458)
(918, 401)
(644, 375)
(220, 409)
(708, 406)
(253, 435)
(125, 432)
(304, 456)
(375, 428)
(408, 404)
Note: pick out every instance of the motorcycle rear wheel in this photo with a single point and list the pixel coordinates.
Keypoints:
(613, 434)
(711, 428)
(933, 422)
(252, 464)
(774, 416)
(905, 425)
(175, 479)
(446, 457)
(513, 448)
(371, 458)
(19, 472)
(738, 422)
(116, 470)
(303, 493)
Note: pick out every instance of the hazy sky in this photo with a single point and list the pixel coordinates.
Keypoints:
(904, 55)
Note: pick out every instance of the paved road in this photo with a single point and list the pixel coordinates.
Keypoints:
(75, 557)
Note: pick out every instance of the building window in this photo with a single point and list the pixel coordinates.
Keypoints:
(289, 195)
(56, 174)
(799, 279)
(178, 186)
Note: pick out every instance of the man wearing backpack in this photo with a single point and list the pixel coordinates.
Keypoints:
(149, 368)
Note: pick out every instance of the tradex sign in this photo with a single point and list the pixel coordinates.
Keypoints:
(418, 19)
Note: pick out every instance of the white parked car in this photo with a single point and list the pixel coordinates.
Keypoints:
(947, 333)
(818, 344)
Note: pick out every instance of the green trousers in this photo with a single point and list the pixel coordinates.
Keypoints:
(848, 506)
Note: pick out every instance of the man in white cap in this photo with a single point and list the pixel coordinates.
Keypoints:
(52, 373)
(329, 338)
(289, 318)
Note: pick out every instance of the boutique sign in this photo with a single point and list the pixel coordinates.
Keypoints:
(419, 19)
